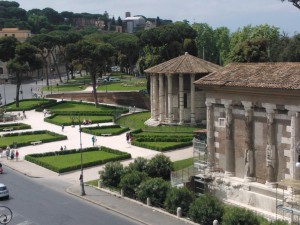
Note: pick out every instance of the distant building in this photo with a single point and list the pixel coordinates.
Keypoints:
(20, 35)
(133, 23)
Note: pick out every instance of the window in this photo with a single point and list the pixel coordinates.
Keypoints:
(13, 35)
(221, 122)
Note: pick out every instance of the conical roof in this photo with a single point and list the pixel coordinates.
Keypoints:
(185, 64)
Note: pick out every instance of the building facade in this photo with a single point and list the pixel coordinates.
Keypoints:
(253, 129)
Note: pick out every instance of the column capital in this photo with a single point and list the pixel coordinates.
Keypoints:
(226, 102)
(269, 107)
(247, 105)
(210, 101)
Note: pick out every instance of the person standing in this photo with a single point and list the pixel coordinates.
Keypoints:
(7, 152)
(17, 155)
(61, 148)
(62, 128)
(93, 140)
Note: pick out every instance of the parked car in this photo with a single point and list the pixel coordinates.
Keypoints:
(4, 193)
(113, 79)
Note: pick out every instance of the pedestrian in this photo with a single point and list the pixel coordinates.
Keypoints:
(129, 109)
(24, 115)
(62, 128)
(61, 148)
(127, 137)
(12, 154)
(7, 152)
(17, 155)
(65, 147)
(93, 140)
(45, 112)
(134, 108)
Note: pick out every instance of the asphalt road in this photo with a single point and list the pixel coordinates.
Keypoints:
(34, 202)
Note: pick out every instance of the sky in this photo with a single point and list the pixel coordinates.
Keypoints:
(233, 14)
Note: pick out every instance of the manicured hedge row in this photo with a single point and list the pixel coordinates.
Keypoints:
(167, 138)
(56, 137)
(159, 148)
(34, 158)
(48, 119)
(43, 105)
(97, 130)
(90, 113)
(15, 126)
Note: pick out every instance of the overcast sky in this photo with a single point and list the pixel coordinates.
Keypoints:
(230, 13)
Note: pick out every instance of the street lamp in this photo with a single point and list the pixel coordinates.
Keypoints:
(73, 118)
(4, 91)
(5, 215)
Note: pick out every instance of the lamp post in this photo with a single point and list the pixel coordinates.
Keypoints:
(5, 215)
(77, 117)
(4, 92)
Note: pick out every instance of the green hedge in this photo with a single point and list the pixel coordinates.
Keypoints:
(56, 137)
(97, 130)
(166, 138)
(15, 126)
(34, 158)
(161, 148)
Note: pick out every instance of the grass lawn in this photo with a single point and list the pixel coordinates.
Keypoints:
(66, 87)
(181, 164)
(15, 126)
(70, 160)
(25, 139)
(136, 121)
(130, 85)
(77, 107)
(98, 131)
(26, 104)
(66, 119)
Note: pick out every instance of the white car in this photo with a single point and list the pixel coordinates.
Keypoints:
(4, 193)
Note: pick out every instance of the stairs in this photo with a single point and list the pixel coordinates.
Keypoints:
(152, 123)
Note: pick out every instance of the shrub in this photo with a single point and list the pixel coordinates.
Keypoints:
(239, 216)
(139, 164)
(160, 166)
(111, 175)
(206, 209)
(130, 181)
(179, 197)
(155, 189)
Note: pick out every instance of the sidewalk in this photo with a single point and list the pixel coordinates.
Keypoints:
(130, 208)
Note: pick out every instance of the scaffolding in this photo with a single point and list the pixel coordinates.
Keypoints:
(288, 202)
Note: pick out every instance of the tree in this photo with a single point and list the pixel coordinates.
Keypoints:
(160, 166)
(296, 3)
(25, 59)
(156, 189)
(7, 48)
(130, 181)
(206, 209)
(112, 173)
(239, 216)
(179, 197)
(93, 56)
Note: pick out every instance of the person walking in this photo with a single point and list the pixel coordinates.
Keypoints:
(17, 155)
(7, 152)
(93, 140)
(62, 128)
(61, 148)
(12, 154)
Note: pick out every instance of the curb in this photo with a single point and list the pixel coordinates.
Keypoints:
(105, 206)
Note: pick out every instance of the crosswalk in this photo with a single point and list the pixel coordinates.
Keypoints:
(18, 219)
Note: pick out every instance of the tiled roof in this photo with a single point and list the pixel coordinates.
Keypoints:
(255, 75)
(185, 64)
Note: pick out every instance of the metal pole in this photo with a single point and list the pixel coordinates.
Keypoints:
(4, 95)
(81, 173)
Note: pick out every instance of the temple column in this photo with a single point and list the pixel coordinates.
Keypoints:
(229, 149)
(151, 97)
(155, 97)
(161, 98)
(181, 100)
(210, 133)
(170, 98)
(193, 120)
(249, 150)
(271, 151)
(293, 112)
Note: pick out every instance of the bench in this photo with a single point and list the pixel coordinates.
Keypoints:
(36, 142)
(105, 134)
(8, 129)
